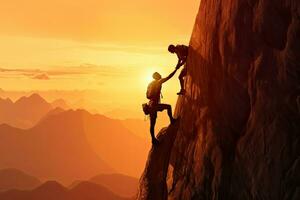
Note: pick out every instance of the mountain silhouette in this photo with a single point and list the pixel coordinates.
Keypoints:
(71, 145)
(60, 103)
(120, 184)
(52, 190)
(56, 148)
(16, 179)
(25, 112)
(116, 145)
(88, 190)
(54, 111)
(49, 190)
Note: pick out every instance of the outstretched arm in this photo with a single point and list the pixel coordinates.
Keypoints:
(168, 77)
(180, 62)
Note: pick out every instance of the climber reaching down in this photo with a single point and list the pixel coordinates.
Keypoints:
(182, 54)
(154, 105)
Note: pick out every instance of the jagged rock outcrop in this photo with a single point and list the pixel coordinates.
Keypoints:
(153, 181)
(239, 133)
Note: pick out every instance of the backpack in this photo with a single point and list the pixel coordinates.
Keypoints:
(146, 108)
(153, 90)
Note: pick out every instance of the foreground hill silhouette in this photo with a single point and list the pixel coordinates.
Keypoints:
(56, 148)
(118, 183)
(72, 145)
(27, 111)
(238, 137)
(16, 179)
(123, 185)
(52, 190)
(115, 144)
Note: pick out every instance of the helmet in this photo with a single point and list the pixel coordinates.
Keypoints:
(156, 76)
(171, 48)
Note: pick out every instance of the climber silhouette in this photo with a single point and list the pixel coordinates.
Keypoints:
(154, 105)
(182, 53)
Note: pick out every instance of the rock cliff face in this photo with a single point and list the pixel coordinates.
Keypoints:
(239, 132)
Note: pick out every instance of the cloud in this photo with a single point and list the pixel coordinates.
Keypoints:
(41, 77)
(39, 73)
(19, 70)
(62, 71)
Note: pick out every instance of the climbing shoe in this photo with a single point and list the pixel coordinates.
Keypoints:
(155, 141)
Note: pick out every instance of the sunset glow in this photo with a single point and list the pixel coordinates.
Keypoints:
(106, 48)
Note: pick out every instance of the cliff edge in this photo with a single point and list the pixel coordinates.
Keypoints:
(239, 132)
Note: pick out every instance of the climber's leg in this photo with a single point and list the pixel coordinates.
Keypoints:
(153, 117)
(161, 107)
(181, 79)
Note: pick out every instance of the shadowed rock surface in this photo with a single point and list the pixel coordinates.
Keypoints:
(239, 131)
(153, 181)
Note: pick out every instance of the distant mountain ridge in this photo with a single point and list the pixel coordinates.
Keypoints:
(26, 111)
(120, 184)
(70, 145)
(52, 190)
(16, 179)
(56, 148)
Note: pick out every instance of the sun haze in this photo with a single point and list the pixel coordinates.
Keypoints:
(107, 48)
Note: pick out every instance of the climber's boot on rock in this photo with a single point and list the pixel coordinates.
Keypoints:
(172, 120)
(155, 141)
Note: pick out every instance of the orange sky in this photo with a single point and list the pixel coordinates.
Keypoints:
(109, 47)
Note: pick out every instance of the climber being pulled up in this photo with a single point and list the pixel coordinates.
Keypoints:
(182, 54)
(154, 105)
